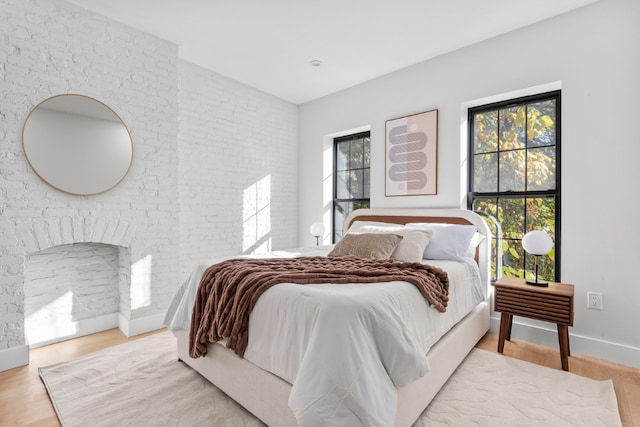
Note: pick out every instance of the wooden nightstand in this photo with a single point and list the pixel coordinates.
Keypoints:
(513, 297)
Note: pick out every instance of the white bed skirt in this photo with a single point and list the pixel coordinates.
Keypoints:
(266, 395)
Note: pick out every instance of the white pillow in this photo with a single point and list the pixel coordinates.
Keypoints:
(475, 241)
(411, 247)
(449, 241)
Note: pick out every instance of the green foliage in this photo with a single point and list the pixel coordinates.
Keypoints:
(353, 168)
(352, 180)
(507, 224)
(514, 151)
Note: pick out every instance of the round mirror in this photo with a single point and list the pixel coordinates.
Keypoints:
(77, 144)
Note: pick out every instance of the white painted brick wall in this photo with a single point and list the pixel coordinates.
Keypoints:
(188, 196)
(238, 154)
(49, 47)
(87, 271)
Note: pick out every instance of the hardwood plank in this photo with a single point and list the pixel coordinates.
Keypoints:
(24, 400)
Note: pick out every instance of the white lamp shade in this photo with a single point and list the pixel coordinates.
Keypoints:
(537, 242)
(317, 229)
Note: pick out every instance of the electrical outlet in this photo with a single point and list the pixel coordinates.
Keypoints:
(594, 300)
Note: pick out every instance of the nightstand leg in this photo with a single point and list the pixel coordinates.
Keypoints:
(563, 339)
(505, 329)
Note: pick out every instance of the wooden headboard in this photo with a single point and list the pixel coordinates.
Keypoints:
(398, 219)
(446, 216)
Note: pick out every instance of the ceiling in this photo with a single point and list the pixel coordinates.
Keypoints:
(269, 44)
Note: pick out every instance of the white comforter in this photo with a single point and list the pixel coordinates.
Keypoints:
(344, 348)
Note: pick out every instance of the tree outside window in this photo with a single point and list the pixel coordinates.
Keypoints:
(514, 179)
(351, 178)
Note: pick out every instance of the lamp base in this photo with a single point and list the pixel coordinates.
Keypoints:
(541, 284)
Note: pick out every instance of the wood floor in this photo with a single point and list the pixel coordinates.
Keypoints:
(24, 400)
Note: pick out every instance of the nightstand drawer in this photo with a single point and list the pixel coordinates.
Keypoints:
(535, 305)
(552, 303)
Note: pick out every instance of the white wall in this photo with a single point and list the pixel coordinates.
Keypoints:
(238, 152)
(593, 54)
(50, 47)
(213, 155)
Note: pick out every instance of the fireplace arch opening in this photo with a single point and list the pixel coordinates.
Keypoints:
(73, 290)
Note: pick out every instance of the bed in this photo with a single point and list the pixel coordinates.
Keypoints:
(264, 387)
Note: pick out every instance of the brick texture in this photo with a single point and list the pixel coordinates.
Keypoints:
(72, 283)
(214, 168)
(238, 160)
(50, 47)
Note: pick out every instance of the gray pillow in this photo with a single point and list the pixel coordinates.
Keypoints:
(366, 245)
(414, 240)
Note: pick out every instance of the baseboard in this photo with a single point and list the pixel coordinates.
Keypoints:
(132, 327)
(14, 357)
(19, 355)
(580, 344)
(82, 328)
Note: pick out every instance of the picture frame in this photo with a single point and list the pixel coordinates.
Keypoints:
(411, 155)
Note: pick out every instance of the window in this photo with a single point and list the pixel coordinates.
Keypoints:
(351, 178)
(514, 178)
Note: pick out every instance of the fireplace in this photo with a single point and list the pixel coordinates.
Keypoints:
(77, 276)
(72, 290)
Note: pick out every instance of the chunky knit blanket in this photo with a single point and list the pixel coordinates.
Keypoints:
(228, 291)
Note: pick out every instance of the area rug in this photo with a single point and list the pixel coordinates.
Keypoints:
(141, 383)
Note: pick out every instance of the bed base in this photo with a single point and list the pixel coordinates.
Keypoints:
(265, 395)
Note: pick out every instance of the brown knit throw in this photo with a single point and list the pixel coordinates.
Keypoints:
(228, 291)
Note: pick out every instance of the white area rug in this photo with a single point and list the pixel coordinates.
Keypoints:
(141, 383)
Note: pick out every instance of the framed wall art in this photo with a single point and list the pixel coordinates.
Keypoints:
(411, 155)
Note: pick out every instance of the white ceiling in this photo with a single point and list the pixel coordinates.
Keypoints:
(268, 44)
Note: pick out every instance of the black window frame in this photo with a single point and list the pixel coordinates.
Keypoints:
(556, 193)
(336, 200)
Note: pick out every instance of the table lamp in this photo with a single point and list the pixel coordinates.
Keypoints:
(537, 243)
(317, 231)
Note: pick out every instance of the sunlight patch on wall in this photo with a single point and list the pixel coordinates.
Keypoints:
(70, 290)
(141, 282)
(256, 217)
(52, 320)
